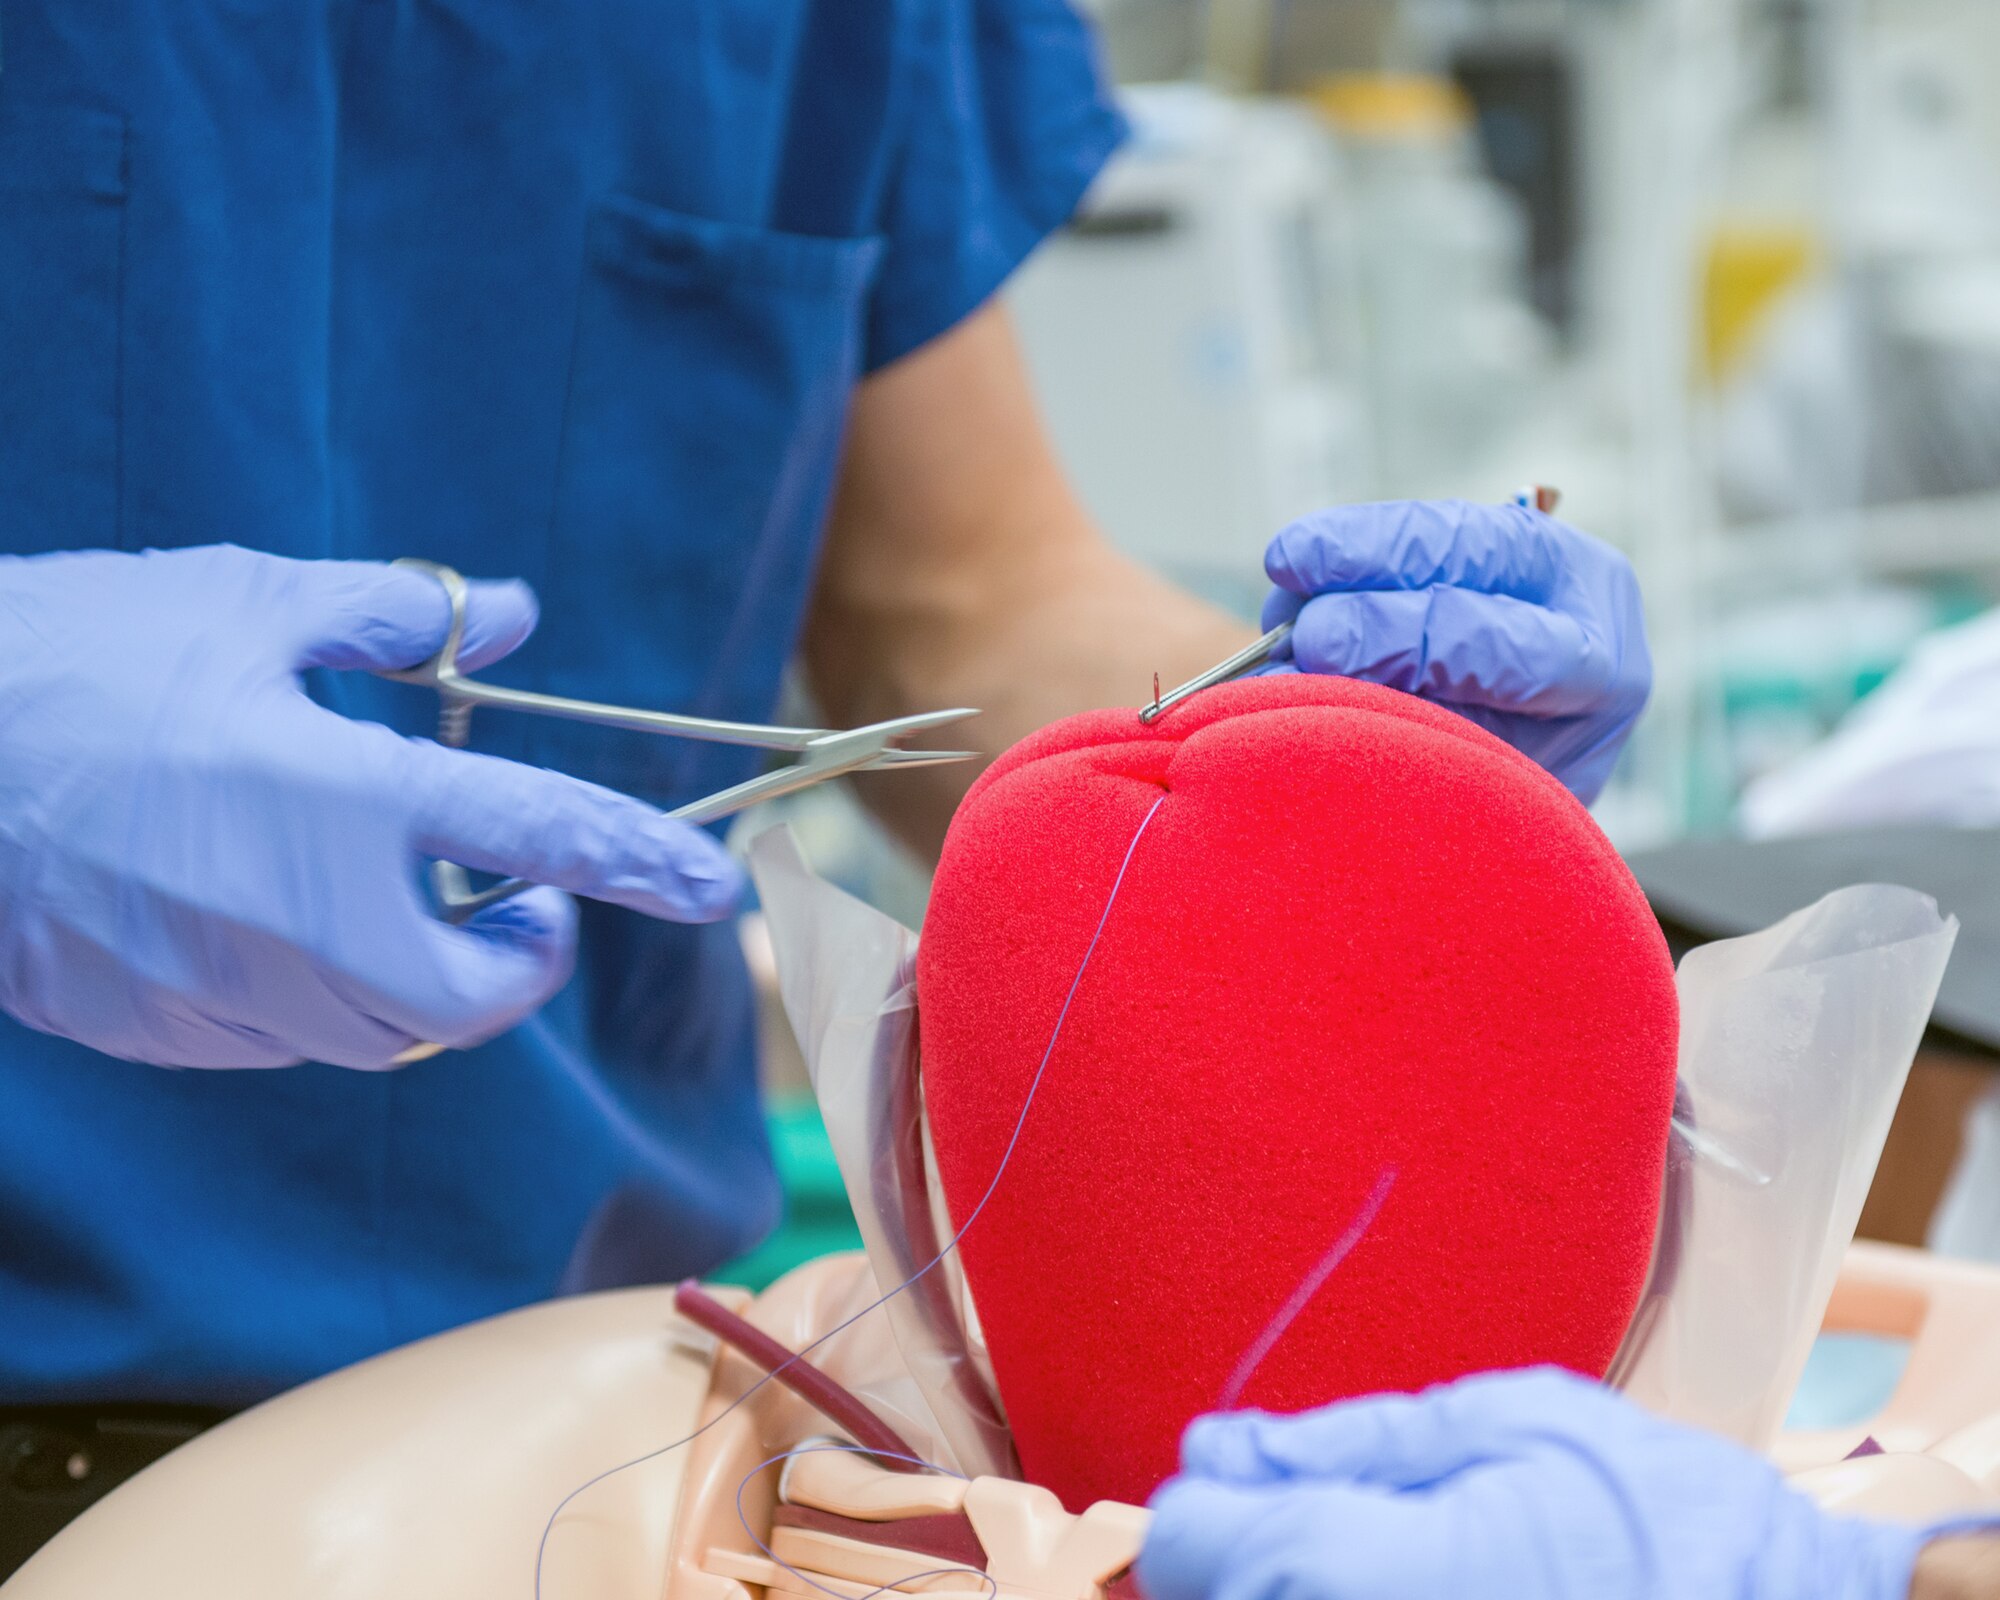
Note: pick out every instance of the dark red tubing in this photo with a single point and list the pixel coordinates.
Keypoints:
(838, 1405)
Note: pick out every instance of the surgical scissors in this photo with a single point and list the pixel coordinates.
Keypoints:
(823, 753)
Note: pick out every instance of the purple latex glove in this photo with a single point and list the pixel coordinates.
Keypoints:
(201, 867)
(1528, 1485)
(1523, 624)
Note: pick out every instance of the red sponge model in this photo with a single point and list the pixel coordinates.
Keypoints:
(1363, 951)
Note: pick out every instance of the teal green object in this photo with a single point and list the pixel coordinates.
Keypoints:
(817, 1219)
(1849, 1378)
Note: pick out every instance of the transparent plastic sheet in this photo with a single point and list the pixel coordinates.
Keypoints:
(847, 976)
(1795, 1043)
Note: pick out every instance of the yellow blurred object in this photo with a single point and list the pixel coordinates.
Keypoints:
(1392, 106)
(1751, 268)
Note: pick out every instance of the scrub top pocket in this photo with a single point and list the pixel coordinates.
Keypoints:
(709, 384)
(62, 229)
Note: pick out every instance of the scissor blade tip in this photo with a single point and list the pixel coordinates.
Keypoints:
(927, 758)
(932, 719)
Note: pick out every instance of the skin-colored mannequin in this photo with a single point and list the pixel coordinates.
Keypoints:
(429, 1473)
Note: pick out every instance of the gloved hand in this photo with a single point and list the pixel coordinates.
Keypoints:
(1532, 1486)
(1528, 627)
(201, 867)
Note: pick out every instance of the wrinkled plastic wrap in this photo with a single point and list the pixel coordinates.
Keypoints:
(847, 976)
(1795, 1043)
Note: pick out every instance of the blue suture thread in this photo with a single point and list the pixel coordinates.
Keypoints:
(1314, 1281)
(542, 1547)
(992, 1588)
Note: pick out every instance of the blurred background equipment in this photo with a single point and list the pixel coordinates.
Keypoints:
(1729, 270)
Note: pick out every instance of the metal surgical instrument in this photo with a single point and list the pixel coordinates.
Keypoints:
(1254, 654)
(1536, 497)
(823, 753)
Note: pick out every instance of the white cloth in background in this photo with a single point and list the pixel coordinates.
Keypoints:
(1925, 747)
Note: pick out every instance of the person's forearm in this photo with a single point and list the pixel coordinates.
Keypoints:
(1084, 626)
(1959, 1569)
(961, 569)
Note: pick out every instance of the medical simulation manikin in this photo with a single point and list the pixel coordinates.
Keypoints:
(1373, 987)
(1302, 1043)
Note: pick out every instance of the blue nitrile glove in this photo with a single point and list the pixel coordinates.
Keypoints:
(201, 867)
(1526, 1485)
(1528, 627)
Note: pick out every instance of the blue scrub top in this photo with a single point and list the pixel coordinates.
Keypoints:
(572, 291)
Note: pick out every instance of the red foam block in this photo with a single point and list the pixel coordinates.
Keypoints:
(1359, 936)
